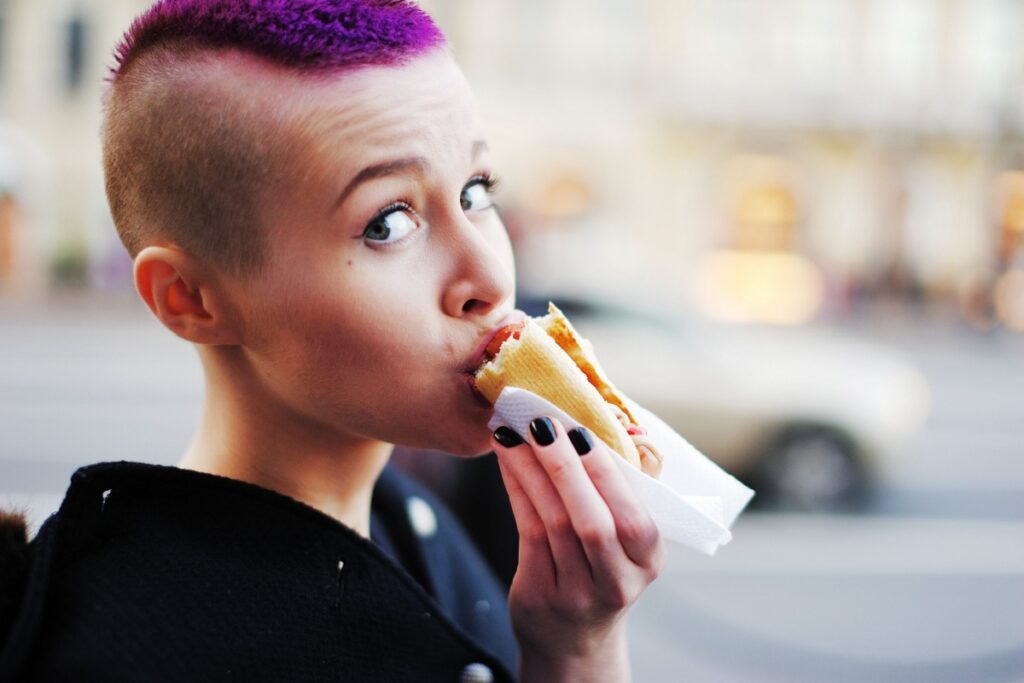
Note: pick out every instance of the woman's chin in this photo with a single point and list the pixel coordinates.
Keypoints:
(474, 442)
(466, 445)
(483, 447)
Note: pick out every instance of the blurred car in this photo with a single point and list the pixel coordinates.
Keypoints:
(804, 416)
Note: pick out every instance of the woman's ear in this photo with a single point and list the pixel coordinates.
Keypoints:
(186, 296)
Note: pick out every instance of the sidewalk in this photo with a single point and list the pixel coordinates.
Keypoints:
(71, 305)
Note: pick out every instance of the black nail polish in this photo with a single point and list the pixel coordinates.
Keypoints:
(507, 438)
(543, 431)
(581, 440)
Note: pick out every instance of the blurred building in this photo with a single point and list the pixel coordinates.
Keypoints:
(847, 148)
(760, 160)
(54, 224)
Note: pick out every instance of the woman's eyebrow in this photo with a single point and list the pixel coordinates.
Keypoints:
(395, 166)
(384, 168)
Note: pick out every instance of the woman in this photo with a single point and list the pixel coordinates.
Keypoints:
(306, 191)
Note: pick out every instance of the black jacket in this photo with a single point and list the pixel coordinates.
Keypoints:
(151, 573)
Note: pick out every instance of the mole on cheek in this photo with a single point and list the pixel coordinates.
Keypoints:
(350, 263)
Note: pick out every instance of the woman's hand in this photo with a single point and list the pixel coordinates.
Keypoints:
(587, 550)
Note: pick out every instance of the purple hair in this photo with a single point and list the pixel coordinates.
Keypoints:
(308, 34)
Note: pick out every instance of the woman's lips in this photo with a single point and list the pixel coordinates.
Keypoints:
(477, 358)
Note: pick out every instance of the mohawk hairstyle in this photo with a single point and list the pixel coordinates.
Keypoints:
(311, 34)
(187, 161)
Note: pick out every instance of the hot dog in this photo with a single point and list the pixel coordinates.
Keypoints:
(548, 357)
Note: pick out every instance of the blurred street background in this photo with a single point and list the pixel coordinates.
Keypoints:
(792, 228)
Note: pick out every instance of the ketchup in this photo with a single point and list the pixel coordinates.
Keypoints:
(515, 330)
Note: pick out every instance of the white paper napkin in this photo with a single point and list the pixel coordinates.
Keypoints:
(694, 502)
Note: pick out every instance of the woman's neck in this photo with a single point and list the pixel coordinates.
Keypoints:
(244, 437)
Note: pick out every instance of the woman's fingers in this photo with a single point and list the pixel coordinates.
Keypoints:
(534, 551)
(581, 507)
(600, 505)
(576, 517)
(541, 518)
(633, 524)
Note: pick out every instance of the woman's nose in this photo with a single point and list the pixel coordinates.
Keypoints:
(483, 273)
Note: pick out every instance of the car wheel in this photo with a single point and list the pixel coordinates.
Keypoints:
(811, 469)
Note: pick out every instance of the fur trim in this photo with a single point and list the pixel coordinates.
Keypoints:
(13, 565)
(13, 528)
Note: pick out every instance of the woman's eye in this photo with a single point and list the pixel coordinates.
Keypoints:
(477, 195)
(391, 226)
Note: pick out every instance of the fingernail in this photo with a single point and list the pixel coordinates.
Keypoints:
(543, 431)
(581, 440)
(507, 438)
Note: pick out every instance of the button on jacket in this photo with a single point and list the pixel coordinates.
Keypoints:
(152, 573)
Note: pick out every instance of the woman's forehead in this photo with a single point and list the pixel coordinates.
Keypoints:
(423, 108)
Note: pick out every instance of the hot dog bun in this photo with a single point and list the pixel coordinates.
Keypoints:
(550, 359)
